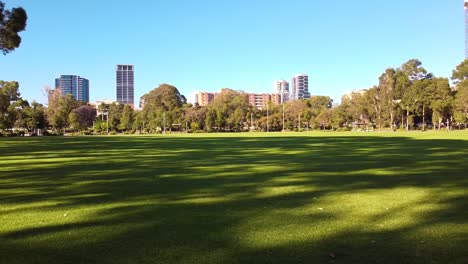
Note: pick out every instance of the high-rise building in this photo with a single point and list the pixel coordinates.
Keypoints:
(125, 84)
(466, 29)
(74, 85)
(300, 87)
(281, 87)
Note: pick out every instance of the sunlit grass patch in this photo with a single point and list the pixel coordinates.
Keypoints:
(235, 198)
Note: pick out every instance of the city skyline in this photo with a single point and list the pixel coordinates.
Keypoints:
(342, 48)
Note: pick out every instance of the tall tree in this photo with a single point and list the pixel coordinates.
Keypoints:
(460, 73)
(387, 94)
(126, 121)
(163, 107)
(9, 99)
(35, 117)
(460, 106)
(441, 102)
(115, 115)
(11, 23)
(59, 110)
(230, 110)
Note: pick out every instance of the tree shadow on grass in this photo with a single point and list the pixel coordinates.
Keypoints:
(234, 200)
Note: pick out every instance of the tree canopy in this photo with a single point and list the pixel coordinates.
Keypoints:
(11, 23)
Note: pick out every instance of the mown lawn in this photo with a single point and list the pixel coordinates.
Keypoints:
(235, 198)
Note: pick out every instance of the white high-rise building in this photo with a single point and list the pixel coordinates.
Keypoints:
(300, 87)
(281, 87)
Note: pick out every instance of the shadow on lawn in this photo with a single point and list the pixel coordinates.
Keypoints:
(237, 200)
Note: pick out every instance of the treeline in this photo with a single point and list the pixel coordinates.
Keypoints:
(408, 97)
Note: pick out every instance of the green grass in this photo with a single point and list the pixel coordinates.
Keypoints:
(235, 198)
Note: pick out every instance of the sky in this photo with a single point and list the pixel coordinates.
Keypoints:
(206, 45)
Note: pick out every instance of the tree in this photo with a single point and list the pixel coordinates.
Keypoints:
(11, 23)
(230, 110)
(9, 98)
(163, 107)
(461, 104)
(387, 94)
(316, 105)
(460, 73)
(414, 70)
(195, 116)
(59, 110)
(83, 117)
(295, 112)
(35, 117)
(126, 121)
(441, 102)
(115, 115)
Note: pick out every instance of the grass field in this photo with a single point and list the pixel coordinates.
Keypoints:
(235, 198)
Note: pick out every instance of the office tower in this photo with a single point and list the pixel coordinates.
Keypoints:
(300, 87)
(466, 29)
(74, 85)
(281, 87)
(125, 84)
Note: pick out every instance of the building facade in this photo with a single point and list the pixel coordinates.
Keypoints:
(204, 98)
(281, 87)
(125, 84)
(260, 101)
(74, 85)
(300, 87)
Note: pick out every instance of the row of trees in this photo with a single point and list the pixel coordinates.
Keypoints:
(230, 111)
(407, 97)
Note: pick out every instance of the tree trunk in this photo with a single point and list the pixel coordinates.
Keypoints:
(391, 120)
(424, 119)
(407, 119)
(402, 120)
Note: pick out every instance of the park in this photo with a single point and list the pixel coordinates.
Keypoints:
(311, 197)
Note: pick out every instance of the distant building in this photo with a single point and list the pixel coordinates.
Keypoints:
(105, 102)
(281, 87)
(74, 85)
(142, 103)
(353, 94)
(52, 94)
(204, 98)
(300, 87)
(261, 100)
(125, 84)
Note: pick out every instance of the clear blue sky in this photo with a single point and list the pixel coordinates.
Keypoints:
(206, 45)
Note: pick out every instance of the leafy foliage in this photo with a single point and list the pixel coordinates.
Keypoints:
(11, 23)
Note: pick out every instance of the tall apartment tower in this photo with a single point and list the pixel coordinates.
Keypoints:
(300, 87)
(466, 29)
(125, 84)
(74, 85)
(281, 87)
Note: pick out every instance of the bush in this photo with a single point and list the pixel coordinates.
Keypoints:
(112, 133)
